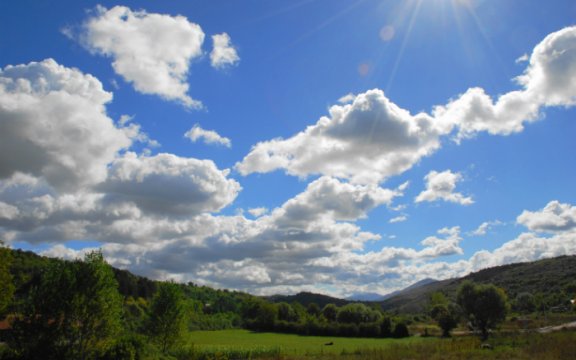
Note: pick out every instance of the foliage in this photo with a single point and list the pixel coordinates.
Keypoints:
(168, 316)
(446, 313)
(525, 303)
(72, 312)
(330, 312)
(484, 305)
(400, 331)
(259, 315)
(6, 282)
(287, 313)
(357, 313)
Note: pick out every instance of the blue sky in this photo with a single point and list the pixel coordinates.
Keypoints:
(278, 146)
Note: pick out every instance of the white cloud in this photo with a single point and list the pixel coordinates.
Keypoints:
(257, 212)
(55, 119)
(398, 219)
(312, 240)
(522, 59)
(475, 111)
(223, 53)
(8, 211)
(485, 227)
(208, 136)
(441, 186)
(170, 185)
(340, 201)
(436, 247)
(366, 142)
(372, 138)
(346, 99)
(549, 80)
(555, 217)
(551, 74)
(151, 51)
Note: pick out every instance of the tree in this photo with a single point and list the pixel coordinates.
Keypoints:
(72, 312)
(444, 312)
(485, 306)
(525, 303)
(358, 313)
(286, 312)
(6, 283)
(313, 309)
(401, 331)
(330, 312)
(168, 316)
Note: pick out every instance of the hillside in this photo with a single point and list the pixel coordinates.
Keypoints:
(548, 276)
(307, 298)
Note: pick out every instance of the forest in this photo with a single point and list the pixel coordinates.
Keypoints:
(86, 309)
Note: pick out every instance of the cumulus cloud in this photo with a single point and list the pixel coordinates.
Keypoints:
(223, 53)
(551, 74)
(270, 255)
(55, 119)
(313, 240)
(366, 141)
(548, 81)
(188, 186)
(369, 138)
(151, 51)
(196, 133)
(441, 186)
(555, 217)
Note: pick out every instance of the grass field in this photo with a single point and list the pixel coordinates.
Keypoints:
(290, 344)
(242, 344)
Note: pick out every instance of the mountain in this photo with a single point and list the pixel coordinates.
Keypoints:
(306, 298)
(549, 277)
(365, 296)
(375, 297)
(412, 287)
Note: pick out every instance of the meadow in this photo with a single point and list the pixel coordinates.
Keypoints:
(242, 344)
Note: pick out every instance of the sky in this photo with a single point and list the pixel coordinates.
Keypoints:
(275, 146)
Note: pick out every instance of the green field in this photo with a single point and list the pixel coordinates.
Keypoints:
(286, 344)
(243, 344)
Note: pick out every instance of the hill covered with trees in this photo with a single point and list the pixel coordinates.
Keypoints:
(551, 283)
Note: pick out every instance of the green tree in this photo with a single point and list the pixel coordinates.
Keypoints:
(168, 316)
(330, 311)
(485, 306)
(444, 312)
(358, 313)
(313, 309)
(6, 283)
(401, 331)
(73, 312)
(286, 312)
(525, 303)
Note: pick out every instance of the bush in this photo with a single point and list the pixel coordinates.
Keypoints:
(401, 331)
(131, 347)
